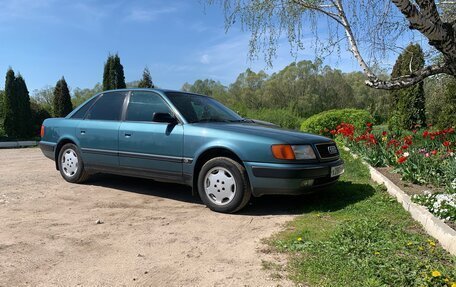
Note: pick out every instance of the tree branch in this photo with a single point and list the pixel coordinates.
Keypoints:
(431, 27)
(353, 46)
(320, 9)
(440, 35)
(428, 9)
(407, 81)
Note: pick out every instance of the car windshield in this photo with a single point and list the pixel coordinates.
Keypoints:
(195, 108)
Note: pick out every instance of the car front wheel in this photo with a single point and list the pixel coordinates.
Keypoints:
(70, 163)
(223, 185)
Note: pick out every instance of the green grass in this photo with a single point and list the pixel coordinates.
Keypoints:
(355, 234)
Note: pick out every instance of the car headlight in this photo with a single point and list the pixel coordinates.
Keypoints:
(303, 152)
(284, 151)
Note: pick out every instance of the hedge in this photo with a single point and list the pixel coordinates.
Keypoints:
(324, 122)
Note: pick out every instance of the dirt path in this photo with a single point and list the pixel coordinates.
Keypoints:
(152, 234)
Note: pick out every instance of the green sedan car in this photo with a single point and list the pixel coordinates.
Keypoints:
(190, 139)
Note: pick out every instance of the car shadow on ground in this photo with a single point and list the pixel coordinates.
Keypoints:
(145, 186)
(333, 198)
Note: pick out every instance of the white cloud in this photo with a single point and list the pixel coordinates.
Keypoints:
(143, 15)
(25, 10)
(205, 59)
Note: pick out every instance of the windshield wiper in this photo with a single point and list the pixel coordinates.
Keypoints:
(242, 121)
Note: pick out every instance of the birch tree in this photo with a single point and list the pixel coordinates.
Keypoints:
(370, 28)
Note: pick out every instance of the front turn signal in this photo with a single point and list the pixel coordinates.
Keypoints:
(283, 151)
(42, 131)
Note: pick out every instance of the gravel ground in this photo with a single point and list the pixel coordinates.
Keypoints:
(121, 231)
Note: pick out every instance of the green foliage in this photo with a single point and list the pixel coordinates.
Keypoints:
(16, 105)
(377, 102)
(2, 110)
(422, 157)
(354, 234)
(307, 88)
(113, 74)
(300, 90)
(146, 81)
(24, 113)
(81, 95)
(44, 97)
(324, 122)
(248, 89)
(409, 103)
(62, 105)
(10, 105)
(281, 117)
(39, 114)
(212, 89)
(441, 101)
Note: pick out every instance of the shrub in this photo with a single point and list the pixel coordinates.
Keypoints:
(324, 122)
(2, 131)
(39, 114)
(408, 104)
(281, 117)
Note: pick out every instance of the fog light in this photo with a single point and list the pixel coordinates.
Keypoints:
(307, 182)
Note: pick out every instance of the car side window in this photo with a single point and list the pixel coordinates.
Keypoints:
(80, 114)
(143, 105)
(108, 107)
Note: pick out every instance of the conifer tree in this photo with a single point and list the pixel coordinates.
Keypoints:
(24, 116)
(448, 115)
(113, 74)
(2, 109)
(106, 80)
(10, 105)
(62, 99)
(146, 81)
(408, 105)
(16, 107)
(119, 73)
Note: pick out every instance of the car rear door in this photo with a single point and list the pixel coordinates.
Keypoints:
(155, 148)
(98, 133)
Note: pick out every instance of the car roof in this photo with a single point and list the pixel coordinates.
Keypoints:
(152, 90)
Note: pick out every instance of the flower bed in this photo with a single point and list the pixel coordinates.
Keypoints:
(424, 156)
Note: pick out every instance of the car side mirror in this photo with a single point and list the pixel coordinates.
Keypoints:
(164, 118)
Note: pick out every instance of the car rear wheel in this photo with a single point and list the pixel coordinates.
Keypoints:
(223, 185)
(71, 165)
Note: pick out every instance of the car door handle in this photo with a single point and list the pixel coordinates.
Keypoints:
(83, 132)
(127, 135)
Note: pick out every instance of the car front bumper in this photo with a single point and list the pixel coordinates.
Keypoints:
(293, 179)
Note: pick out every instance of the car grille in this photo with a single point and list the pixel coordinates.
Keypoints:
(327, 150)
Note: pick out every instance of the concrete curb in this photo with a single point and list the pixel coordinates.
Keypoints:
(18, 144)
(431, 224)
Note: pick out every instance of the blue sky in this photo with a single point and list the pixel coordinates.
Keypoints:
(180, 41)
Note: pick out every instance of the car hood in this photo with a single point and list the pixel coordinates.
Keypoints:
(267, 131)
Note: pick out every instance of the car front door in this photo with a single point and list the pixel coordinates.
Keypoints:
(98, 133)
(155, 148)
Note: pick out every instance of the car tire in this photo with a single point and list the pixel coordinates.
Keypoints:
(70, 163)
(223, 185)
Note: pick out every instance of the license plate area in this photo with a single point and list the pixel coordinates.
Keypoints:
(337, 170)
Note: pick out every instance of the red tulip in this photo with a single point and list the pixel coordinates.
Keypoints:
(402, 159)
